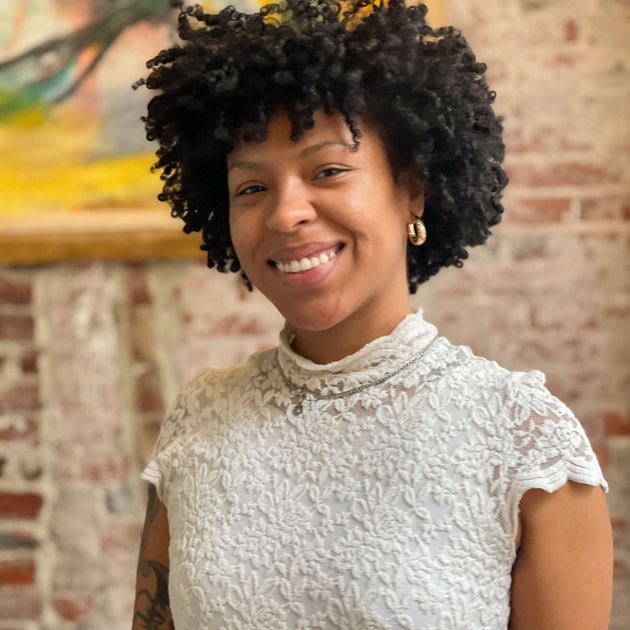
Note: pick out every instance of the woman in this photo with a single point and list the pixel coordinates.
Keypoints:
(366, 472)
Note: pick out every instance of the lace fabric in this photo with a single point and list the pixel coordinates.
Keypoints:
(394, 507)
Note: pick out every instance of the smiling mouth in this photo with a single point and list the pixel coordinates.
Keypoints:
(303, 265)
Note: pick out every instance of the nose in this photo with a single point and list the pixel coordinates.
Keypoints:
(290, 210)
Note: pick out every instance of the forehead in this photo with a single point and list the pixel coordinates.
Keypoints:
(329, 130)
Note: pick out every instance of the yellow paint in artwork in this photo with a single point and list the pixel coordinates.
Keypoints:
(116, 182)
(48, 164)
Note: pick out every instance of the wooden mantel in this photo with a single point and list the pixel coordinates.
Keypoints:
(123, 235)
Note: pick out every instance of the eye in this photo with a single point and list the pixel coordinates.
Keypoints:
(333, 168)
(245, 189)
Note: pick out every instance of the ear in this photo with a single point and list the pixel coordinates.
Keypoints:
(415, 185)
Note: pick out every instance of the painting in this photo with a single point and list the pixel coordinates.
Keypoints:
(74, 161)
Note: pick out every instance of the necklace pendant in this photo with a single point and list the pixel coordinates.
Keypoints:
(298, 401)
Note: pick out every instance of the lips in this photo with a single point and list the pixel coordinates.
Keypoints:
(304, 251)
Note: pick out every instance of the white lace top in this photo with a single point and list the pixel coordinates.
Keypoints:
(393, 507)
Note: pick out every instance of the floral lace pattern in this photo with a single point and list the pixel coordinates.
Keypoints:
(394, 507)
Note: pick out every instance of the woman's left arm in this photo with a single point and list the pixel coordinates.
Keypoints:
(562, 578)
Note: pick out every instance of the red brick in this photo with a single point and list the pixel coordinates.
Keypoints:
(559, 174)
(541, 140)
(571, 31)
(29, 362)
(235, 325)
(22, 603)
(22, 428)
(544, 210)
(14, 292)
(605, 208)
(74, 606)
(17, 327)
(121, 537)
(20, 504)
(139, 292)
(148, 391)
(141, 334)
(20, 396)
(616, 423)
(17, 572)
(108, 467)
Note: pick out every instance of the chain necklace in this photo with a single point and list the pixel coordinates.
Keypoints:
(300, 393)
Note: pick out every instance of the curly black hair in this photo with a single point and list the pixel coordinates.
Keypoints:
(420, 87)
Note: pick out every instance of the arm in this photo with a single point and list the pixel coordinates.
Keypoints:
(152, 607)
(562, 578)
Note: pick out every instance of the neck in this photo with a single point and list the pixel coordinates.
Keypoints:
(349, 335)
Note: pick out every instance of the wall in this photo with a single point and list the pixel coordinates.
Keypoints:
(91, 354)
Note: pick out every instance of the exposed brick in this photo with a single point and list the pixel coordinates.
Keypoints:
(571, 31)
(139, 291)
(121, 537)
(21, 428)
(559, 174)
(17, 572)
(20, 396)
(541, 140)
(22, 603)
(544, 210)
(148, 391)
(616, 423)
(603, 209)
(142, 334)
(107, 467)
(235, 325)
(74, 606)
(28, 362)
(16, 327)
(20, 504)
(14, 292)
(11, 541)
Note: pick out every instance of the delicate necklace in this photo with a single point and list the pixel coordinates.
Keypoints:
(300, 393)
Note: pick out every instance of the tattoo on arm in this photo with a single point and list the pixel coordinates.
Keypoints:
(153, 506)
(152, 607)
(158, 610)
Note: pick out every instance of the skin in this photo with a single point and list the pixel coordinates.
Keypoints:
(152, 606)
(292, 199)
(563, 575)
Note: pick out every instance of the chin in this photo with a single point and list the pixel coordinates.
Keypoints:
(312, 317)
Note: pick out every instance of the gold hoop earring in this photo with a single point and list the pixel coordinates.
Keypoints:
(417, 232)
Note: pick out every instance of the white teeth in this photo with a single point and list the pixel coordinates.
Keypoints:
(305, 264)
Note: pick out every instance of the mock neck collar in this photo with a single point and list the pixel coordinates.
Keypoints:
(412, 335)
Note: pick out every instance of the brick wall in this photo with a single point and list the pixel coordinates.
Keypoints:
(91, 354)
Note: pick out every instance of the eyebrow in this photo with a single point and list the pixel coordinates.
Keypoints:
(308, 151)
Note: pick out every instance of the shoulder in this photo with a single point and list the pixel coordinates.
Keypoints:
(202, 395)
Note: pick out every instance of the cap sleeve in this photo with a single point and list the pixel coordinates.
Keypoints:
(177, 420)
(548, 443)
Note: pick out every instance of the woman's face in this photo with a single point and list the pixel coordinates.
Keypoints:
(315, 202)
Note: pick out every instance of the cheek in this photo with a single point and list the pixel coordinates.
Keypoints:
(239, 236)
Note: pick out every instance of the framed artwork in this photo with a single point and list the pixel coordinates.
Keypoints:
(74, 162)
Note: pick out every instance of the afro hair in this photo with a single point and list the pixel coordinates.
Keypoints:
(421, 87)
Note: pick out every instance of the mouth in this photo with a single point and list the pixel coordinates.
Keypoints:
(303, 265)
(307, 273)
